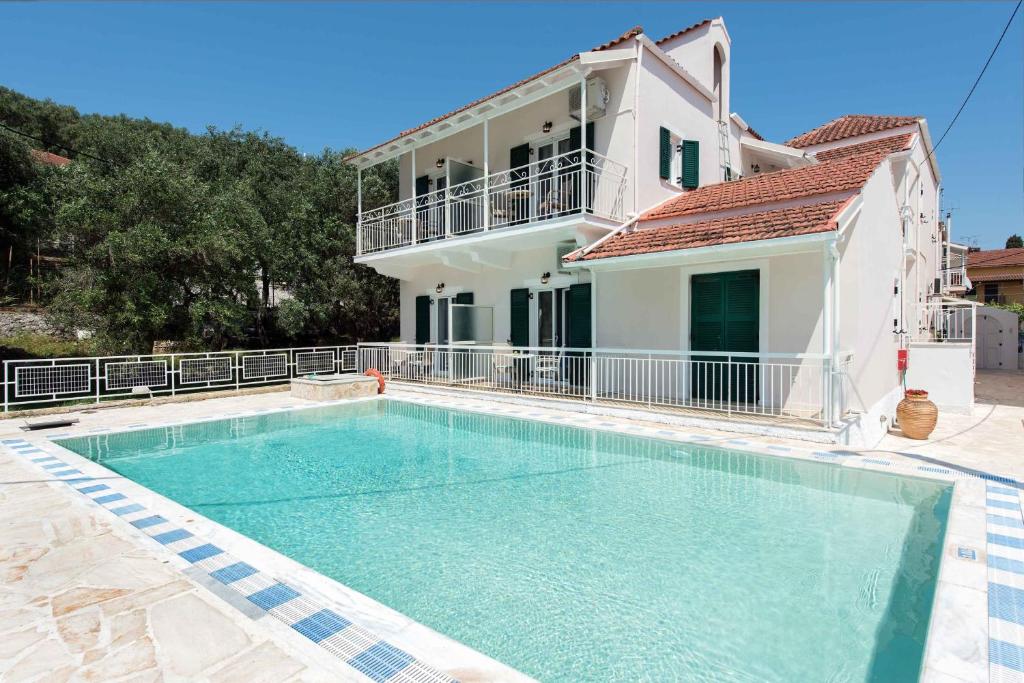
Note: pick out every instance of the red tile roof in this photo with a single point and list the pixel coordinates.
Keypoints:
(49, 158)
(631, 33)
(788, 222)
(849, 126)
(893, 143)
(996, 257)
(837, 175)
(696, 26)
(995, 277)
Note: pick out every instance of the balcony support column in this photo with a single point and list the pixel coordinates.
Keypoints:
(583, 144)
(412, 186)
(359, 210)
(447, 200)
(487, 175)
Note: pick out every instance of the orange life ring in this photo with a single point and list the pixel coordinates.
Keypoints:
(373, 372)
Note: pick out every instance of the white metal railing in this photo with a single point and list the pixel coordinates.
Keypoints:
(95, 379)
(942, 322)
(953, 278)
(538, 191)
(796, 386)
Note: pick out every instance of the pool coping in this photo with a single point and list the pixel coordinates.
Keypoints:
(964, 641)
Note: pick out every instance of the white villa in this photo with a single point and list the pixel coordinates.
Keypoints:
(606, 230)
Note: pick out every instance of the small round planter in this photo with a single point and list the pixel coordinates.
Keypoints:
(917, 415)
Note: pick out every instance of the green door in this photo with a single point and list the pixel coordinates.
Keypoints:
(422, 319)
(725, 316)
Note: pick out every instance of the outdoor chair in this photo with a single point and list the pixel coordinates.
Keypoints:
(548, 367)
(504, 362)
(421, 363)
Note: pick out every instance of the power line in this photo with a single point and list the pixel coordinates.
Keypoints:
(50, 144)
(976, 81)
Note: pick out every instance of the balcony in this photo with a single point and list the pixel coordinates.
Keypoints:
(954, 279)
(560, 188)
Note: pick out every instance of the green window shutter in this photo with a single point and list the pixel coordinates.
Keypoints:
(519, 323)
(742, 310)
(664, 153)
(463, 323)
(517, 157)
(691, 164)
(579, 316)
(574, 137)
(422, 319)
(422, 185)
(728, 173)
(707, 312)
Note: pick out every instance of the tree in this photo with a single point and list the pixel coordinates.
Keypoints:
(1014, 242)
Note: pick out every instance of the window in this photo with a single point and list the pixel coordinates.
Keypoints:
(678, 160)
(992, 293)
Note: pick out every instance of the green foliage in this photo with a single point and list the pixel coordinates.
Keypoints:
(22, 346)
(1014, 242)
(183, 237)
(1013, 308)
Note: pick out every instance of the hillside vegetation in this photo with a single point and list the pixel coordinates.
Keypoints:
(160, 234)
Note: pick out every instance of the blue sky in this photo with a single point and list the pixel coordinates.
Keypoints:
(352, 75)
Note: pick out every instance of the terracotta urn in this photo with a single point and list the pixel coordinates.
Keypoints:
(916, 414)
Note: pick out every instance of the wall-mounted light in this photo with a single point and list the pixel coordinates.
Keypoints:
(439, 163)
(439, 288)
(546, 127)
(530, 296)
(755, 168)
(545, 278)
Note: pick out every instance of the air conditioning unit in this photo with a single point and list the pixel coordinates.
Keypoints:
(597, 99)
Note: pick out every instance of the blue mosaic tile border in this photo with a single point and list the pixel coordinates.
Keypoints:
(1005, 551)
(356, 646)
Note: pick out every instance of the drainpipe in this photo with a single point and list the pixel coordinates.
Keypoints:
(833, 253)
(636, 125)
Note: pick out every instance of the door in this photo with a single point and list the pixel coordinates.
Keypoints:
(516, 200)
(443, 307)
(725, 316)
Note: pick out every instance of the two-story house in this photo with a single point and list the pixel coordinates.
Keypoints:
(634, 243)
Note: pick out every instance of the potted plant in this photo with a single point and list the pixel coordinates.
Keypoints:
(916, 414)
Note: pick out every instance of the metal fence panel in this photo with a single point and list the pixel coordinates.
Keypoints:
(52, 380)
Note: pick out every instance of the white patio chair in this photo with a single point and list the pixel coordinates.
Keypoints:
(421, 363)
(548, 367)
(503, 362)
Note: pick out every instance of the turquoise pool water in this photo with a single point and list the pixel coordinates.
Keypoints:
(573, 554)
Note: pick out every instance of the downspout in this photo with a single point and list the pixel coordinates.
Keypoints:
(636, 125)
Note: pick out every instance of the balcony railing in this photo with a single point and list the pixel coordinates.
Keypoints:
(805, 388)
(951, 322)
(954, 278)
(539, 191)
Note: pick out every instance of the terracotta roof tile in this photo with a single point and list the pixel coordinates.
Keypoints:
(995, 277)
(787, 222)
(680, 32)
(849, 126)
(837, 175)
(893, 143)
(49, 158)
(996, 257)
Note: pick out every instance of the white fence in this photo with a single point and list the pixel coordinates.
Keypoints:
(952, 322)
(540, 190)
(59, 380)
(793, 386)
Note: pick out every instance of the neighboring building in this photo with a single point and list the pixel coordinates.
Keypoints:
(681, 234)
(997, 275)
(49, 158)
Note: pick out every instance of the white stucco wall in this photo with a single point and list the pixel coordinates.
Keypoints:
(871, 260)
(490, 288)
(946, 372)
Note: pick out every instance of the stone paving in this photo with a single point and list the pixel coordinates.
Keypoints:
(82, 600)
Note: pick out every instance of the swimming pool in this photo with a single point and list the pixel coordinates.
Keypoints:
(574, 554)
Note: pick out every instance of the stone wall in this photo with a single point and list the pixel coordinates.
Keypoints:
(15, 321)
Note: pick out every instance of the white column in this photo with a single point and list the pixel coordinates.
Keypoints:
(826, 332)
(412, 179)
(359, 210)
(447, 200)
(487, 176)
(583, 144)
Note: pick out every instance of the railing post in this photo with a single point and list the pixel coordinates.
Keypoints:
(7, 388)
(359, 211)
(593, 377)
(97, 380)
(447, 199)
(412, 193)
(728, 385)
